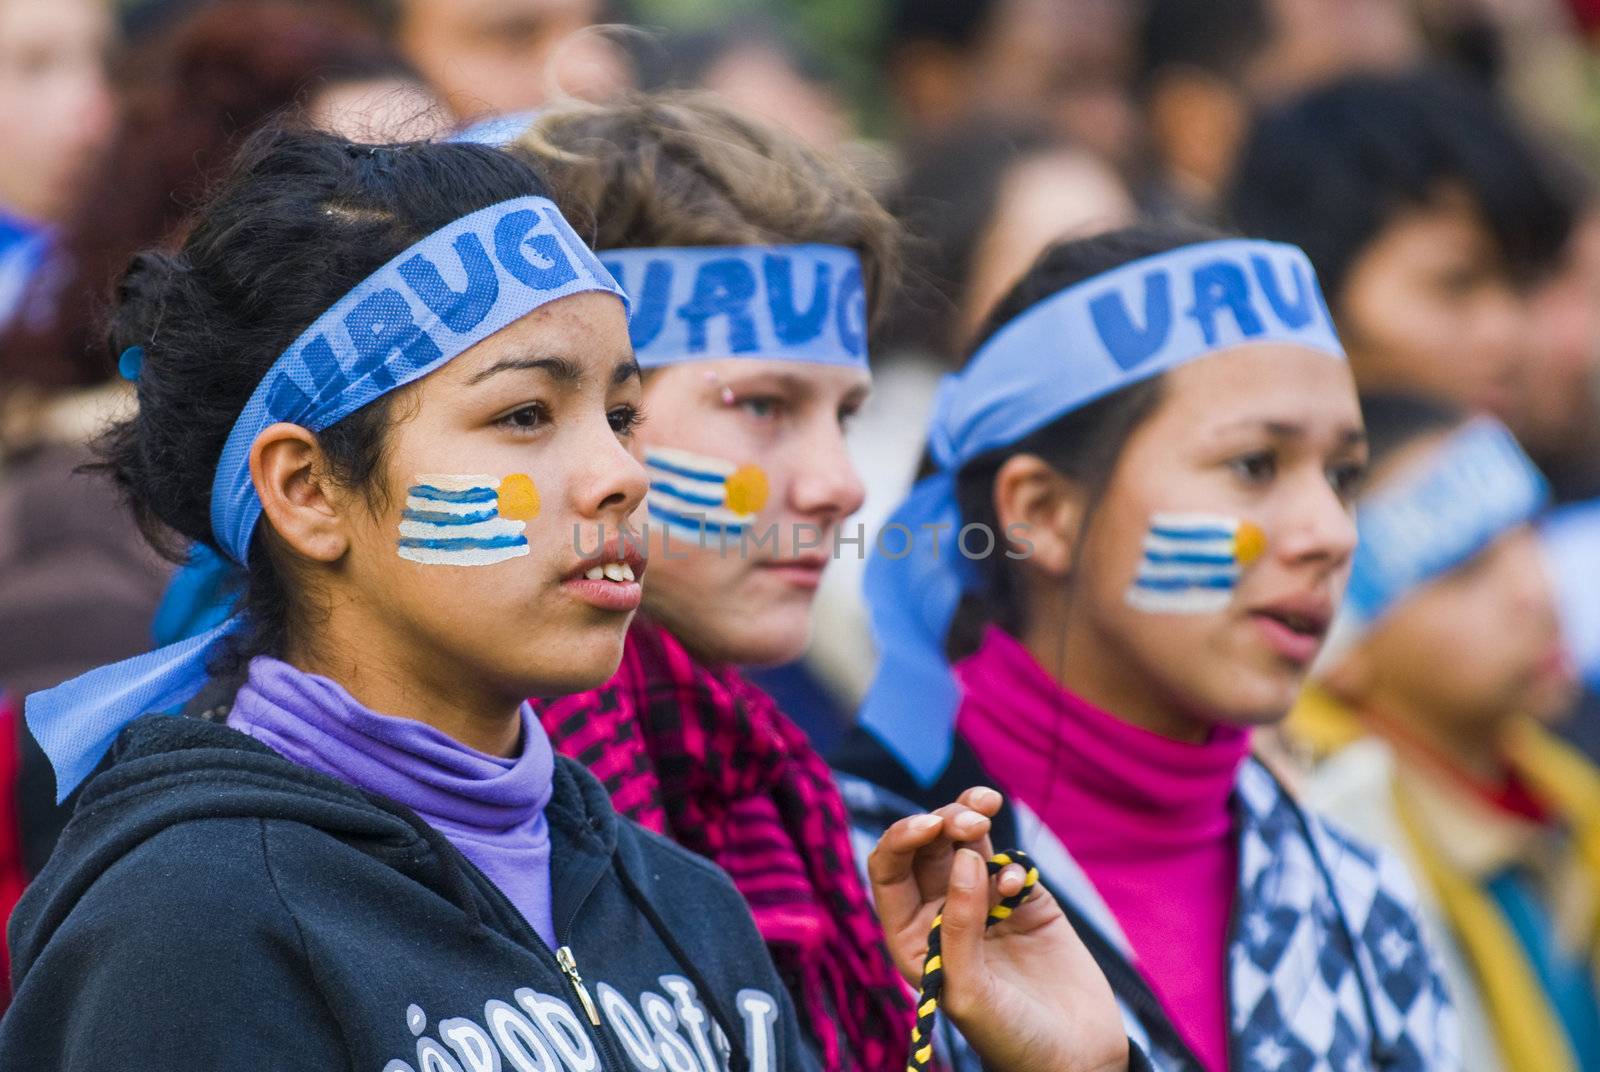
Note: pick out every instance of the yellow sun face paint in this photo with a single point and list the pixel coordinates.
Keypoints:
(746, 490)
(1249, 543)
(519, 497)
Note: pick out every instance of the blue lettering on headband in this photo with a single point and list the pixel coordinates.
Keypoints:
(444, 295)
(1081, 344)
(782, 303)
(439, 298)
(1479, 486)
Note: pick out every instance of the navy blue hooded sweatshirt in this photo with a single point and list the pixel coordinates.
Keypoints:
(212, 905)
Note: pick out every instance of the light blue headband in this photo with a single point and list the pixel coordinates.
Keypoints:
(1570, 537)
(1479, 486)
(1081, 344)
(427, 306)
(782, 303)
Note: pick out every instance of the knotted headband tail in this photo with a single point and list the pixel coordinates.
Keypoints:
(932, 986)
(912, 599)
(75, 723)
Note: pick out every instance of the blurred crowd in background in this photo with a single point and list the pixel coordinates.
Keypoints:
(1438, 159)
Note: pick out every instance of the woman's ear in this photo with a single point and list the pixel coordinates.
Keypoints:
(1046, 508)
(288, 470)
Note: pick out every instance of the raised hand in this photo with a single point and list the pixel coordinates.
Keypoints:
(1025, 993)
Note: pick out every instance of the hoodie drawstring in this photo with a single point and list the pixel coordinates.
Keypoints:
(457, 886)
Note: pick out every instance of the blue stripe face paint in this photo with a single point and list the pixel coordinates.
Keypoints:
(694, 495)
(1193, 562)
(473, 520)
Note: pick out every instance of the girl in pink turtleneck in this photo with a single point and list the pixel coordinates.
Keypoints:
(1162, 425)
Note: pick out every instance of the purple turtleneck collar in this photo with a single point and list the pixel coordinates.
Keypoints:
(492, 809)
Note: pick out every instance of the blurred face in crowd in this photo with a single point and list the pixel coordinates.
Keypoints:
(379, 112)
(752, 605)
(1557, 409)
(1268, 435)
(763, 82)
(1064, 193)
(492, 56)
(55, 106)
(1463, 653)
(1430, 308)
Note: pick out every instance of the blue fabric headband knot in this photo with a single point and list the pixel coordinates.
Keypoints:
(427, 306)
(775, 303)
(1078, 345)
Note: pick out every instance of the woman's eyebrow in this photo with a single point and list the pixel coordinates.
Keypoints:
(1349, 436)
(627, 369)
(557, 368)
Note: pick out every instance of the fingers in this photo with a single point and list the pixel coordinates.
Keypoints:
(981, 798)
(909, 869)
(966, 908)
(890, 868)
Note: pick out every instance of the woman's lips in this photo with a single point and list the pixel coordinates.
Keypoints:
(1289, 643)
(606, 594)
(800, 572)
(1294, 627)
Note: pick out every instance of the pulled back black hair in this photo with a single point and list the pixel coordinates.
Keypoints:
(1332, 169)
(1083, 445)
(301, 218)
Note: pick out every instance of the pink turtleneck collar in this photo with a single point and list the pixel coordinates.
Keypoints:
(1149, 820)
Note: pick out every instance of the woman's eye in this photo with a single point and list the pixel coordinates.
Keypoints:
(625, 419)
(526, 418)
(848, 415)
(1346, 479)
(1256, 468)
(763, 407)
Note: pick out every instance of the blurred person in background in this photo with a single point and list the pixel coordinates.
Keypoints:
(56, 113)
(1556, 411)
(1317, 41)
(1429, 216)
(1429, 700)
(1197, 58)
(765, 72)
(78, 587)
(491, 57)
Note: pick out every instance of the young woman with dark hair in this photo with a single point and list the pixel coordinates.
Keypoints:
(1139, 499)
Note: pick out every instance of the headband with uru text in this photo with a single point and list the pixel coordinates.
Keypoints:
(779, 303)
(1078, 345)
(1479, 486)
(437, 299)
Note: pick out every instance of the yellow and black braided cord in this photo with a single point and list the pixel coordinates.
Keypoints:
(933, 967)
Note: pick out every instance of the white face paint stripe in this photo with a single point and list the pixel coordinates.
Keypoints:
(1192, 563)
(454, 520)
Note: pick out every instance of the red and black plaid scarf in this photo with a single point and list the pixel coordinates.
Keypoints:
(705, 757)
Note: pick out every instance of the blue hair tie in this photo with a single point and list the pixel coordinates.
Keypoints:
(131, 363)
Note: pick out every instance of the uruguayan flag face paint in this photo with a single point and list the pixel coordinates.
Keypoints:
(1192, 563)
(472, 520)
(703, 497)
